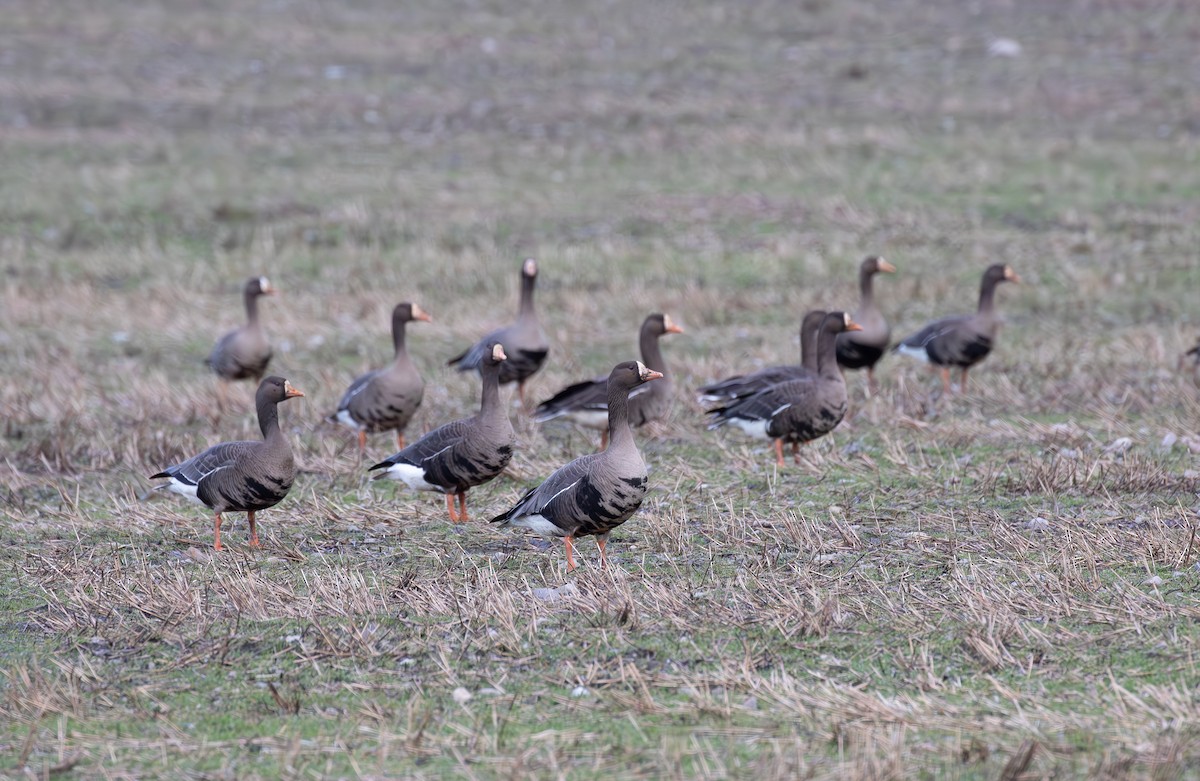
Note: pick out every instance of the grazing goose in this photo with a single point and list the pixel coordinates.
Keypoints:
(461, 454)
(741, 385)
(386, 398)
(964, 340)
(863, 349)
(524, 340)
(796, 411)
(596, 493)
(586, 402)
(242, 476)
(244, 352)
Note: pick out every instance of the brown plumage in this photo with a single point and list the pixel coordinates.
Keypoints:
(524, 340)
(964, 340)
(243, 353)
(461, 454)
(586, 403)
(863, 349)
(242, 476)
(741, 385)
(387, 398)
(796, 411)
(596, 493)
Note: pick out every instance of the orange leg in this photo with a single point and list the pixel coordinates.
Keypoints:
(462, 500)
(779, 452)
(450, 507)
(946, 379)
(400, 439)
(570, 553)
(362, 441)
(796, 452)
(602, 541)
(253, 530)
(963, 389)
(604, 439)
(217, 533)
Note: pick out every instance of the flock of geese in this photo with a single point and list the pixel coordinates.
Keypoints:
(593, 494)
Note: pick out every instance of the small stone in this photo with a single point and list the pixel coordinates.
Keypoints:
(1153, 580)
(580, 691)
(1037, 524)
(1169, 441)
(292, 639)
(461, 696)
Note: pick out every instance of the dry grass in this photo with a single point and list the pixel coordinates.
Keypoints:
(997, 585)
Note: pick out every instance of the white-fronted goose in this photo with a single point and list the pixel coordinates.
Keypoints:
(242, 476)
(742, 385)
(524, 340)
(244, 352)
(863, 349)
(586, 402)
(386, 399)
(461, 454)
(596, 493)
(964, 340)
(796, 411)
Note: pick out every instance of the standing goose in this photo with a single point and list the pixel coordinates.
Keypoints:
(863, 349)
(524, 340)
(244, 352)
(386, 398)
(596, 493)
(586, 402)
(242, 476)
(461, 454)
(742, 385)
(964, 340)
(796, 411)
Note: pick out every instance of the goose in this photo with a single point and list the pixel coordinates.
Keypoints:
(463, 453)
(964, 340)
(586, 403)
(243, 353)
(796, 411)
(596, 493)
(741, 385)
(387, 398)
(236, 477)
(863, 349)
(523, 339)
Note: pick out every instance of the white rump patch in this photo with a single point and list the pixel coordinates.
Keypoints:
(412, 476)
(590, 418)
(913, 352)
(346, 419)
(755, 428)
(537, 523)
(177, 486)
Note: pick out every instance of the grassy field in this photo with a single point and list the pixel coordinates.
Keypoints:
(1004, 584)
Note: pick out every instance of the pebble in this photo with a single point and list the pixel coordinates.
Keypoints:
(1038, 524)
(461, 695)
(1153, 580)
(580, 691)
